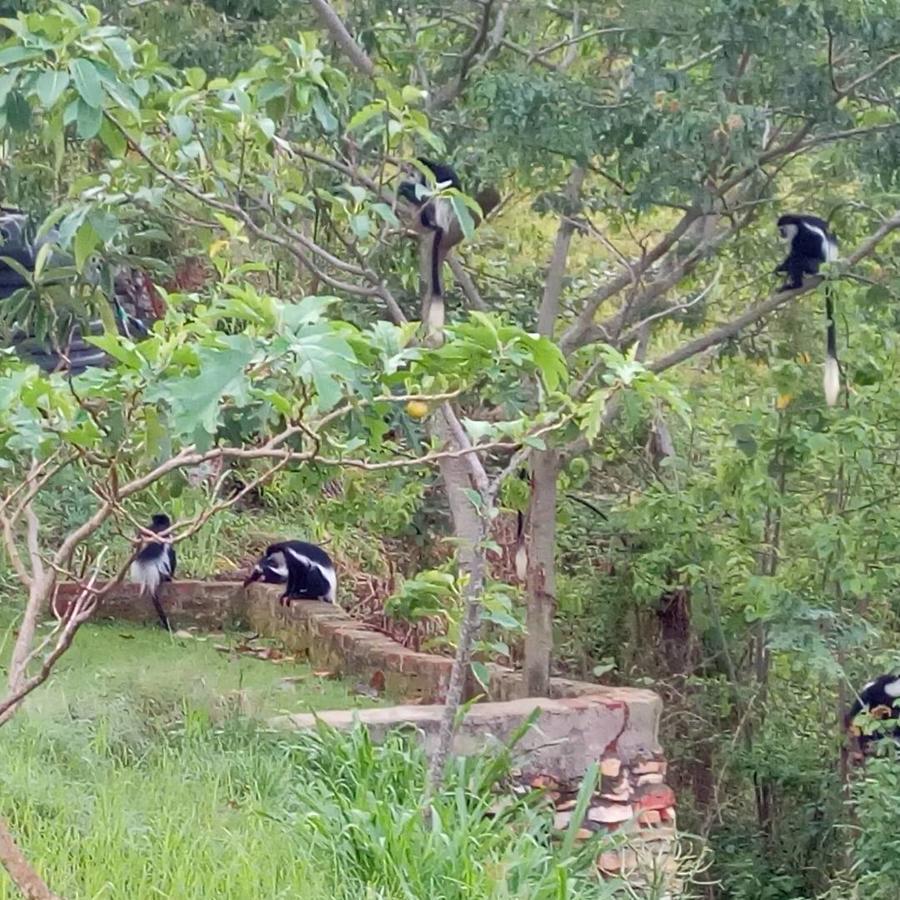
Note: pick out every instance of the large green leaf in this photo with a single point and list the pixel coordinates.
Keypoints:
(87, 82)
(327, 360)
(195, 400)
(51, 85)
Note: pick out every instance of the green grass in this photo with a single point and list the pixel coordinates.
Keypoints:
(125, 777)
(107, 661)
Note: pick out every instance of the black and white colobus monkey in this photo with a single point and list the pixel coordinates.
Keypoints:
(154, 564)
(521, 557)
(878, 697)
(436, 218)
(305, 569)
(811, 244)
(435, 214)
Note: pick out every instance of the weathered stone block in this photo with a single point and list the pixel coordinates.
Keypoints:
(611, 813)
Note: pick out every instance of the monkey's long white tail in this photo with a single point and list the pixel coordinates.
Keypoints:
(147, 574)
(831, 380)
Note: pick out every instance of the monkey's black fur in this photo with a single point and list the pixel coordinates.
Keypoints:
(305, 569)
(811, 244)
(879, 695)
(434, 215)
(154, 565)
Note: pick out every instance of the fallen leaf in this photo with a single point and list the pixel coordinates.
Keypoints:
(327, 674)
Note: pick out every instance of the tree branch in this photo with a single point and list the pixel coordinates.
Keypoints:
(19, 869)
(339, 34)
(760, 310)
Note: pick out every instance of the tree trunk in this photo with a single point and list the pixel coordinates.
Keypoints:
(540, 577)
(460, 475)
(37, 595)
(456, 475)
(20, 872)
(540, 580)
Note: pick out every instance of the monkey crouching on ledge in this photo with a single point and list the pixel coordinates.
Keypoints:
(439, 232)
(305, 569)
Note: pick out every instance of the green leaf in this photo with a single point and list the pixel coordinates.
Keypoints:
(7, 82)
(51, 85)
(466, 222)
(325, 116)
(502, 619)
(88, 120)
(308, 311)
(196, 77)
(326, 359)
(182, 127)
(195, 401)
(878, 293)
(588, 783)
(550, 361)
(384, 212)
(17, 54)
(122, 52)
(116, 348)
(481, 673)
(87, 82)
(18, 111)
(86, 241)
(366, 113)
(113, 139)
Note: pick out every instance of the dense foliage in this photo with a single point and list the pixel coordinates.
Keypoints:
(714, 530)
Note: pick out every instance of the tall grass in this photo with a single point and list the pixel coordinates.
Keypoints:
(130, 805)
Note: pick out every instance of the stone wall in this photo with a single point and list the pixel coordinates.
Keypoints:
(211, 605)
(578, 725)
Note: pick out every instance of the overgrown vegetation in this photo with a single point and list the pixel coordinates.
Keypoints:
(696, 520)
(159, 798)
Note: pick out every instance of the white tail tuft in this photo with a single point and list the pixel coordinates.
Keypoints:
(521, 561)
(832, 380)
(146, 573)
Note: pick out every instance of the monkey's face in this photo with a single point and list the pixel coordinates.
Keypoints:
(255, 574)
(787, 232)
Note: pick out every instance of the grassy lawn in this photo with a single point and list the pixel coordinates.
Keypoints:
(135, 771)
(111, 660)
(127, 777)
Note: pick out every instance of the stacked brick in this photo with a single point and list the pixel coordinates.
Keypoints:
(633, 806)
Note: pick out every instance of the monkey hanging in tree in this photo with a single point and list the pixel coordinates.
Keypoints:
(439, 231)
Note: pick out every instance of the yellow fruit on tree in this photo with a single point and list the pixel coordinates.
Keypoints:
(416, 409)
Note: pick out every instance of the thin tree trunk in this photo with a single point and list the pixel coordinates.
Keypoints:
(467, 634)
(40, 584)
(23, 876)
(461, 475)
(37, 595)
(540, 580)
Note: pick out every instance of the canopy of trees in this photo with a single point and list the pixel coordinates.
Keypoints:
(695, 518)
